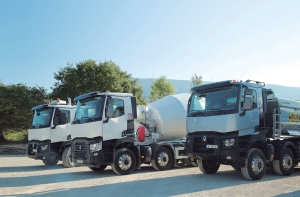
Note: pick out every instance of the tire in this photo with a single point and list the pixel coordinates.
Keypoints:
(255, 165)
(208, 167)
(66, 158)
(285, 165)
(162, 159)
(50, 162)
(101, 168)
(191, 162)
(124, 162)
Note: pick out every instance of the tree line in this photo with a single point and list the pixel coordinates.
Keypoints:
(16, 100)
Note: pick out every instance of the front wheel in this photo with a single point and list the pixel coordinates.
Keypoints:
(285, 165)
(66, 158)
(255, 165)
(124, 162)
(162, 159)
(208, 167)
(50, 162)
(101, 168)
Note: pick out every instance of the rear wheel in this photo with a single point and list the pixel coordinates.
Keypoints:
(124, 162)
(255, 165)
(162, 159)
(208, 167)
(101, 168)
(50, 162)
(285, 165)
(66, 158)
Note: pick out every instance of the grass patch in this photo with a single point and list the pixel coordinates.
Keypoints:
(16, 136)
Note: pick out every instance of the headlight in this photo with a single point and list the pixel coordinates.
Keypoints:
(96, 147)
(44, 147)
(228, 142)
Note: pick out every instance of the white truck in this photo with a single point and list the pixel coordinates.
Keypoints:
(244, 125)
(109, 129)
(50, 133)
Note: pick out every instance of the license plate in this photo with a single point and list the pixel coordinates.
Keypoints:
(34, 150)
(79, 161)
(211, 146)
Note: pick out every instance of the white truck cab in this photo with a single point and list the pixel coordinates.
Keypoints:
(50, 132)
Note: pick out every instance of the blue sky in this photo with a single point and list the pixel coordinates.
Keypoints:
(218, 40)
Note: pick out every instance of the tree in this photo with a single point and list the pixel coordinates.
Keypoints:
(15, 104)
(160, 88)
(89, 76)
(195, 80)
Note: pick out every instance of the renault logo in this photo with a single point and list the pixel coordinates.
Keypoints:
(80, 147)
(204, 138)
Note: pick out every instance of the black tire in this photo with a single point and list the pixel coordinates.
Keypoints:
(255, 165)
(124, 162)
(162, 159)
(191, 162)
(66, 158)
(50, 162)
(101, 168)
(208, 167)
(286, 163)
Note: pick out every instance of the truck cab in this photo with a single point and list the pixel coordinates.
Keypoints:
(104, 127)
(50, 132)
(238, 124)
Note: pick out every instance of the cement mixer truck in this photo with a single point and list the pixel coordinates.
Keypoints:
(50, 133)
(109, 129)
(244, 125)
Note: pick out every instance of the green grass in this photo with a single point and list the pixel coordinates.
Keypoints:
(16, 136)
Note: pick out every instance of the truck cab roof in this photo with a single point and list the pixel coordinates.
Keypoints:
(97, 93)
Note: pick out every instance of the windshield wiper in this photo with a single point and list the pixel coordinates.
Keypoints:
(88, 119)
(217, 109)
(198, 112)
(76, 121)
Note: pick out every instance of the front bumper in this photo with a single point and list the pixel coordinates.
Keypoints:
(34, 150)
(209, 146)
(82, 156)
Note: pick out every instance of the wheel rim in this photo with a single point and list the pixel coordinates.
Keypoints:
(287, 162)
(257, 165)
(125, 162)
(163, 159)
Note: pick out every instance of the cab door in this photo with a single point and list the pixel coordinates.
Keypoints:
(60, 132)
(113, 127)
(248, 119)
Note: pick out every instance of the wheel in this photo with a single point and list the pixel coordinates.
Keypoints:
(124, 162)
(66, 158)
(255, 165)
(207, 166)
(162, 159)
(285, 165)
(101, 168)
(191, 162)
(50, 162)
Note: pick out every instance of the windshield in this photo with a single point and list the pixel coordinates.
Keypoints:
(42, 117)
(89, 109)
(222, 98)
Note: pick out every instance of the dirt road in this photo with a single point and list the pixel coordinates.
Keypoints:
(21, 176)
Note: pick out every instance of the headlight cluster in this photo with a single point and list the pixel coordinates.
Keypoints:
(228, 142)
(96, 147)
(44, 147)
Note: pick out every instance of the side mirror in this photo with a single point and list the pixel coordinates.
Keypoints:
(56, 119)
(57, 112)
(248, 92)
(110, 112)
(248, 103)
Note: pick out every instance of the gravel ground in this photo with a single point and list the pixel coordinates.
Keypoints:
(22, 176)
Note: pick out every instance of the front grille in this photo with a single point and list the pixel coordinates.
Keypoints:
(200, 144)
(80, 150)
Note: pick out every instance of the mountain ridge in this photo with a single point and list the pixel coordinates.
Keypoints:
(183, 86)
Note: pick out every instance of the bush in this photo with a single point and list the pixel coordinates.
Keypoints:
(16, 136)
